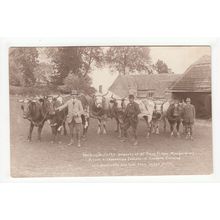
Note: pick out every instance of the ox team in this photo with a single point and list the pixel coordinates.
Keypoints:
(77, 114)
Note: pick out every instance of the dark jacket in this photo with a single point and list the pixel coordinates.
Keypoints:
(189, 113)
(132, 110)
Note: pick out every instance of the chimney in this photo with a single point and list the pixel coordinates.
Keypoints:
(100, 88)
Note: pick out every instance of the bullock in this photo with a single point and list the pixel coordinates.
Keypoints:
(100, 110)
(147, 107)
(103, 107)
(117, 110)
(57, 118)
(36, 111)
(152, 111)
(168, 111)
(174, 116)
(86, 114)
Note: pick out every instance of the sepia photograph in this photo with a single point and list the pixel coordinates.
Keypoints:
(80, 111)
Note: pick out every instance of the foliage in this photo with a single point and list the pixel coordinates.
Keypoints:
(79, 83)
(128, 59)
(22, 62)
(72, 65)
(31, 91)
(90, 56)
(161, 67)
(43, 73)
(73, 60)
(64, 60)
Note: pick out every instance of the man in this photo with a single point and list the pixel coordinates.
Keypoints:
(131, 118)
(189, 115)
(174, 117)
(75, 110)
(85, 115)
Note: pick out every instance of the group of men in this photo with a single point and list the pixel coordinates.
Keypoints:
(132, 110)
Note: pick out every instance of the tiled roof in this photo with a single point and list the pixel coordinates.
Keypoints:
(158, 83)
(197, 78)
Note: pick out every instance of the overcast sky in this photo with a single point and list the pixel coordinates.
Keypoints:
(177, 58)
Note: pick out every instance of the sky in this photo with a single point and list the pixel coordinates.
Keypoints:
(177, 58)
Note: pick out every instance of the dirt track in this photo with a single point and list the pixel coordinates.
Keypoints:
(104, 154)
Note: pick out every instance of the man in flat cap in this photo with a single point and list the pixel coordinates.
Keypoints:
(131, 118)
(75, 110)
(189, 115)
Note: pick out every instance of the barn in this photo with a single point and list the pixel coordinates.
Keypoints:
(142, 86)
(196, 84)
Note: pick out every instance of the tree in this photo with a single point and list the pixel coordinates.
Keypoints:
(79, 83)
(22, 62)
(91, 56)
(73, 60)
(161, 67)
(128, 59)
(65, 60)
(43, 73)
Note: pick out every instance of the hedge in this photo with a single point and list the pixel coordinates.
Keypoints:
(31, 91)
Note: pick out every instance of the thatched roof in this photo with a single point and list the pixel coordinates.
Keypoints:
(157, 83)
(197, 78)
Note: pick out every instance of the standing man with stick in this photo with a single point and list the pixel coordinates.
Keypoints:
(75, 110)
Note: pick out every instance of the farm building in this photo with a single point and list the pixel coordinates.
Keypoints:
(142, 86)
(196, 84)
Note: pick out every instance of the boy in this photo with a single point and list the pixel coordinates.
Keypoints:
(189, 115)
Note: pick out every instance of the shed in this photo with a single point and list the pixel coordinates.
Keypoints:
(196, 84)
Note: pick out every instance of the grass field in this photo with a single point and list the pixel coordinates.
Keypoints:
(106, 155)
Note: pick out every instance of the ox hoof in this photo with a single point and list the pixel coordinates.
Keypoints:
(29, 140)
(60, 142)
